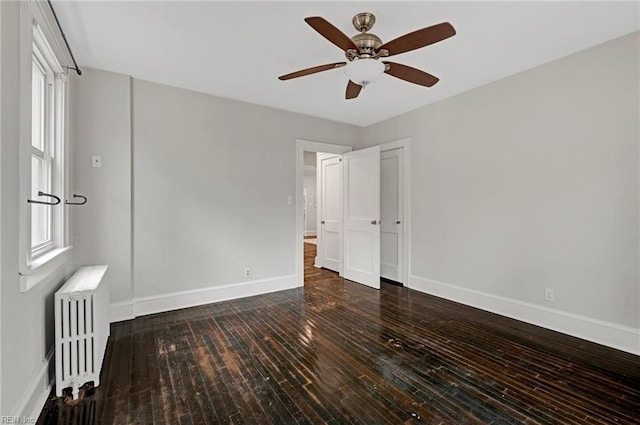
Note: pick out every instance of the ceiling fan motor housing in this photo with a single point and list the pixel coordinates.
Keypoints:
(367, 43)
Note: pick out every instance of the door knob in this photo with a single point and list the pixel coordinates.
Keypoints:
(398, 222)
(322, 222)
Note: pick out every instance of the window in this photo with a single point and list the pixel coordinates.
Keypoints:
(47, 138)
(43, 244)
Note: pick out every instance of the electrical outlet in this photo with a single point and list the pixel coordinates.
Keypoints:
(549, 295)
(247, 272)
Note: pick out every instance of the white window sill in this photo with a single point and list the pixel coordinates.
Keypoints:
(43, 267)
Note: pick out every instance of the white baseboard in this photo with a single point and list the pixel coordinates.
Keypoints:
(119, 311)
(34, 398)
(616, 336)
(310, 233)
(176, 300)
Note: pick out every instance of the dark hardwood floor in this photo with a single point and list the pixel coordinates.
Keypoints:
(337, 352)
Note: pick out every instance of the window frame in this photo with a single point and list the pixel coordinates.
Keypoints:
(40, 38)
(46, 154)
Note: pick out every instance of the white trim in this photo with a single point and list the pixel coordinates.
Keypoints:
(41, 13)
(405, 144)
(35, 396)
(612, 335)
(183, 299)
(301, 147)
(24, 144)
(309, 233)
(44, 266)
(121, 310)
(44, 50)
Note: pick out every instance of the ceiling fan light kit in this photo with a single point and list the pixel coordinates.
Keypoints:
(364, 50)
(364, 71)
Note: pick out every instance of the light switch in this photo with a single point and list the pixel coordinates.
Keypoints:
(96, 161)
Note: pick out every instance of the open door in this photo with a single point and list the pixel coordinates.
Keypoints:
(329, 186)
(361, 212)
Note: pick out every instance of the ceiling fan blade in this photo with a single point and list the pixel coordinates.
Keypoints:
(410, 74)
(331, 33)
(353, 90)
(313, 70)
(421, 38)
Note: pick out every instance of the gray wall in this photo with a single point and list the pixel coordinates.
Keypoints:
(532, 182)
(207, 196)
(211, 181)
(101, 125)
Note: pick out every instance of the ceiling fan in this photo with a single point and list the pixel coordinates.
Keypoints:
(363, 52)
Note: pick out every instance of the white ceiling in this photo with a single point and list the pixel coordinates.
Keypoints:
(238, 49)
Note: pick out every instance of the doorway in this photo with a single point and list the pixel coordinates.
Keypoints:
(395, 207)
(303, 146)
(392, 215)
(329, 186)
(309, 195)
(388, 236)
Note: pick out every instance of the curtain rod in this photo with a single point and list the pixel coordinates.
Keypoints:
(64, 37)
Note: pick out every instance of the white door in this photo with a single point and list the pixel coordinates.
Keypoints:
(391, 212)
(362, 216)
(329, 188)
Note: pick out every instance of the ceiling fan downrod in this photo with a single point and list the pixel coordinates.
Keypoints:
(367, 43)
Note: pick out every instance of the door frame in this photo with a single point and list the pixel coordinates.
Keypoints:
(301, 147)
(405, 144)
